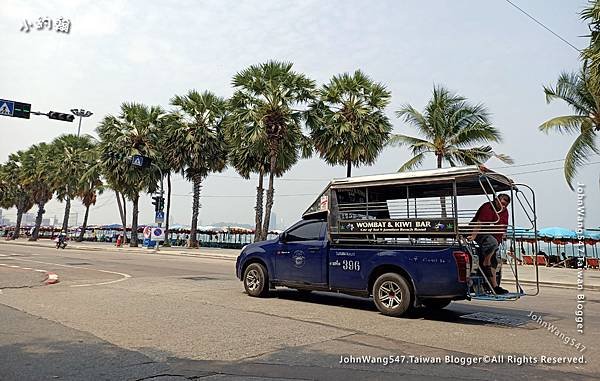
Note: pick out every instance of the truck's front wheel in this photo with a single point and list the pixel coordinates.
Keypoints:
(392, 294)
(256, 280)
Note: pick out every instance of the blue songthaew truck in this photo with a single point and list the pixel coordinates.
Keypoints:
(399, 238)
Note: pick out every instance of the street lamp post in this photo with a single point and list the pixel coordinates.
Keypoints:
(81, 113)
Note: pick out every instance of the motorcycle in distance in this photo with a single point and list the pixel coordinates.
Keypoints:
(61, 241)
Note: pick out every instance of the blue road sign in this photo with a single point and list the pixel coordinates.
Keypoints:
(137, 160)
(7, 108)
(159, 217)
(157, 234)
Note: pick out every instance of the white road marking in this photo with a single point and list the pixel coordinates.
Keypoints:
(125, 276)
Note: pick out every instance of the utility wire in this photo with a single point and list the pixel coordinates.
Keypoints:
(543, 26)
(550, 169)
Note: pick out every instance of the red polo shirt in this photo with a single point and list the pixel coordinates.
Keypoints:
(486, 213)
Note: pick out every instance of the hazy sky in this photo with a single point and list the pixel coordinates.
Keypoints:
(146, 52)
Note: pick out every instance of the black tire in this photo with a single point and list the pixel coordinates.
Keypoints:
(256, 280)
(436, 304)
(392, 294)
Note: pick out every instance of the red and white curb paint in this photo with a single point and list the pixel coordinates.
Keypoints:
(51, 278)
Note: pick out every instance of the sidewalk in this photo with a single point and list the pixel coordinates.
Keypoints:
(548, 276)
(553, 276)
(204, 252)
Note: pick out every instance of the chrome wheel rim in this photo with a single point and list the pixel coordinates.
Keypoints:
(253, 280)
(390, 294)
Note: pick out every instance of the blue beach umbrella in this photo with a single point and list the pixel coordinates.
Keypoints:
(558, 233)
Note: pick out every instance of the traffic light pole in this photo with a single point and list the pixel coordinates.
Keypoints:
(161, 195)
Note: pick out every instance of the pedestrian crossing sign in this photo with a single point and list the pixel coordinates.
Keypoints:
(7, 108)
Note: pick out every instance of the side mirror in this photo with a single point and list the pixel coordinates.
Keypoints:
(283, 237)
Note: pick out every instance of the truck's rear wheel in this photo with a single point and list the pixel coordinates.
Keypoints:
(256, 280)
(392, 294)
(436, 304)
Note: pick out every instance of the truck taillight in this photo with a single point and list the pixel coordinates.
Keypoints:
(462, 265)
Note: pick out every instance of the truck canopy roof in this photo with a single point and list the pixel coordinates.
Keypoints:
(470, 180)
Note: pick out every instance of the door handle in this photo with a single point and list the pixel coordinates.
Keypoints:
(314, 249)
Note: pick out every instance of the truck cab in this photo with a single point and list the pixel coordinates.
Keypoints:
(397, 238)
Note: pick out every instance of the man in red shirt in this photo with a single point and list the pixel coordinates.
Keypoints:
(496, 217)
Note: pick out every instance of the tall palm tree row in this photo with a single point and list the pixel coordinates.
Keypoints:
(274, 117)
(348, 124)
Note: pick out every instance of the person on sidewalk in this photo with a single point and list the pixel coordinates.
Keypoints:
(491, 214)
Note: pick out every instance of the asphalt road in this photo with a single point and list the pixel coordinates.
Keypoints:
(118, 316)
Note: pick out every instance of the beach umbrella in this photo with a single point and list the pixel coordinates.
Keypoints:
(557, 233)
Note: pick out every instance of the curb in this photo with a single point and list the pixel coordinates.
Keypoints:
(555, 285)
(51, 278)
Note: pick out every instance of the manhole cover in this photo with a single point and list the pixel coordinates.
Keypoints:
(78, 264)
(489, 317)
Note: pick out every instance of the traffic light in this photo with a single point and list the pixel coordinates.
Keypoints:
(61, 116)
(156, 203)
(22, 110)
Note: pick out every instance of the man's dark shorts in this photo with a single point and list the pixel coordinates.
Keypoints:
(487, 245)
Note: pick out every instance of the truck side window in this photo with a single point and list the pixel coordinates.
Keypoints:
(307, 232)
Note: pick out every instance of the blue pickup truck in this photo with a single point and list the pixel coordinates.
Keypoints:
(397, 238)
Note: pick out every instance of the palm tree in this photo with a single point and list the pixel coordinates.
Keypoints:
(591, 54)
(68, 155)
(168, 162)
(266, 100)
(133, 132)
(450, 129)
(249, 156)
(576, 91)
(38, 168)
(13, 192)
(348, 124)
(90, 185)
(195, 143)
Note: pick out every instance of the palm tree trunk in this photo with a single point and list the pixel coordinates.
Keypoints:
(85, 218)
(197, 180)
(442, 198)
(259, 207)
(167, 241)
(134, 222)
(124, 218)
(38, 222)
(270, 192)
(349, 169)
(18, 224)
(122, 215)
(65, 224)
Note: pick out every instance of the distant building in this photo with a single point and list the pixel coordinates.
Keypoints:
(45, 222)
(73, 219)
(273, 221)
(28, 219)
